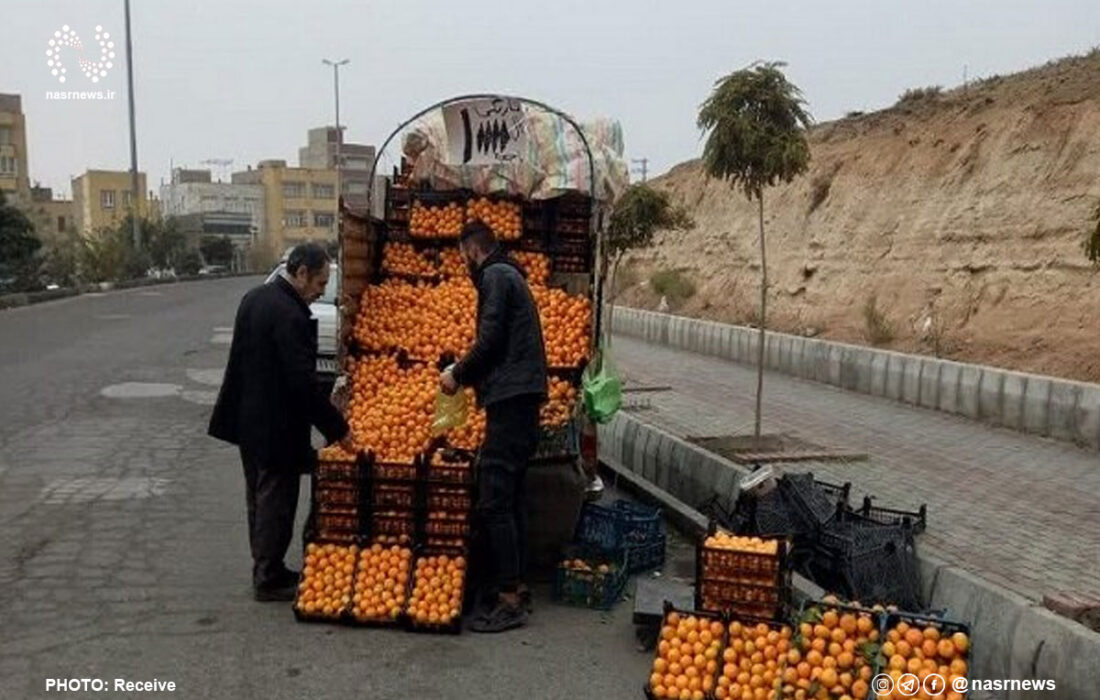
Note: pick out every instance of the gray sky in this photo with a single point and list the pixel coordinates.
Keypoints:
(243, 79)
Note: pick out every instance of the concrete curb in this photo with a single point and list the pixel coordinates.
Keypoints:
(1057, 408)
(1013, 637)
(20, 299)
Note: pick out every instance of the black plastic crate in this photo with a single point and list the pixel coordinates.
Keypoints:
(812, 613)
(598, 584)
(946, 628)
(810, 505)
(620, 525)
(455, 625)
(917, 520)
(710, 617)
(884, 572)
(740, 566)
(449, 496)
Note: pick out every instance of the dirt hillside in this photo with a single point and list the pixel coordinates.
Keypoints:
(962, 213)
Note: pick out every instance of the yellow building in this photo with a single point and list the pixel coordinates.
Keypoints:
(50, 216)
(102, 199)
(299, 204)
(14, 181)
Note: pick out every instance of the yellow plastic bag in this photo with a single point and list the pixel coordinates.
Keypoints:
(450, 412)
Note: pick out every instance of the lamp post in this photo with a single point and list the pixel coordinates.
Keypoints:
(339, 134)
(135, 191)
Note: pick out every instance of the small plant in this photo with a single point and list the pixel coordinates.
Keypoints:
(914, 95)
(853, 114)
(673, 285)
(876, 327)
(1092, 239)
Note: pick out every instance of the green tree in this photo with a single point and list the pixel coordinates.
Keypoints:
(755, 121)
(637, 216)
(191, 262)
(18, 246)
(61, 257)
(217, 250)
(164, 241)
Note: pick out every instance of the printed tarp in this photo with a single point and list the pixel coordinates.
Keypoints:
(539, 155)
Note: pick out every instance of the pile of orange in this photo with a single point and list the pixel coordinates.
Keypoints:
(437, 590)
(687, 657)
(536, 265)
(832, 654)
(566, 325)
(582, 565)
(753, 662)
(390, 409)
(504, 218)
(425, 320)
(472, 434)
(405, 259)
(559, 407)
(325, 589)
(444, 221)
(923, 651)
(335, 453)
(451, 264)
(381, 583)
(740, 543)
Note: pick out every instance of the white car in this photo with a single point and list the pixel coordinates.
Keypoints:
(325, 314)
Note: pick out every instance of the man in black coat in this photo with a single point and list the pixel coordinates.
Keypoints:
(507, 368)
(268, 402)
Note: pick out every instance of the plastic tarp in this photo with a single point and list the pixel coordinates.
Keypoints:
(545, 159)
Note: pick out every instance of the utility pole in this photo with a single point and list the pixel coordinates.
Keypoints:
(135, 190)
(339, 133)
(643, 168)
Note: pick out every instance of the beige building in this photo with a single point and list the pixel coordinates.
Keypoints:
(357, 158)
(50, 216)
(14, 181)
(299, 204)
(102, 199)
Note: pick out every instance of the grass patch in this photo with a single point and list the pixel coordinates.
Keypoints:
(924, 94)
(876, 327)
(674, 285)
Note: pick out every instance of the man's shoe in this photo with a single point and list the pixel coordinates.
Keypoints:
(526, 600)
(289, 577)
(275, 594)
(500, 619)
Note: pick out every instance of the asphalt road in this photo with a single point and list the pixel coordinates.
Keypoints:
(124, 552)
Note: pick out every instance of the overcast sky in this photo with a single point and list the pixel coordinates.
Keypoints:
(243, 79)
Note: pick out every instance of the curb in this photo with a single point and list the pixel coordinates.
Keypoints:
(1061, 409)
(1014, 638)
(21, 299)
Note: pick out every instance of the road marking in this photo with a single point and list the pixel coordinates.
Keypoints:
(209, 377)
(223, 329)
(202, 398)
(222, 339)
(87, 489)
(140, 390)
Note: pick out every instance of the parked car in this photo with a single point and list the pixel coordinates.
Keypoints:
(325, 314)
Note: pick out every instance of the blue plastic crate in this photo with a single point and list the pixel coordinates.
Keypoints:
(623, 524)
(643, 557)
(590, 587)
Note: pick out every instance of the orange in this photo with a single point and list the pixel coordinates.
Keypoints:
(961, 642)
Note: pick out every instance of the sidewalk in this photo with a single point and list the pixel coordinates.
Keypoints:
(1017, 510)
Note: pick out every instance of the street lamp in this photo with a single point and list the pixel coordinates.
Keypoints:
(135, 191)
(339, 134)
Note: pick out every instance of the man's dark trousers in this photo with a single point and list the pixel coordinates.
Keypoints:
(272, 499)
(511, 437)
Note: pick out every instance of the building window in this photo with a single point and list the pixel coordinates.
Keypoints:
(323, 191)
(294, 190)
(5, 135)
(356, 164)
(61, 224)
(107, 199)
(295, 219)
(323, 219)
(126, 199)
(9, 165)
(354, 187)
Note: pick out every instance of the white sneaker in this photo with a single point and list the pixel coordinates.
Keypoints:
(594, 490)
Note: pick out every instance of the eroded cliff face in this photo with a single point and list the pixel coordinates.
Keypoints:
(963, 215)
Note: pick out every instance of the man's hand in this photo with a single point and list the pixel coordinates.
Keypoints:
(348, 443)
(447, 383)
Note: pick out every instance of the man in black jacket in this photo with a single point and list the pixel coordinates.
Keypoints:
(507, 368)
(268, 402)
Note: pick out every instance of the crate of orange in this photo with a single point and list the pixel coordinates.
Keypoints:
(689, 654)
(756, 660)
(744, 574)
(836, 650)
(381, 585)
(325, 586)
(590, 577)
(438, 590)
(924, 645)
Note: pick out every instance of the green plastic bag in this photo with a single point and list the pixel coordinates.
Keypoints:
(603, 390)
(450, 412)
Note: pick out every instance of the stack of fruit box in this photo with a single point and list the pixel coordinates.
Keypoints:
(742, 575)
